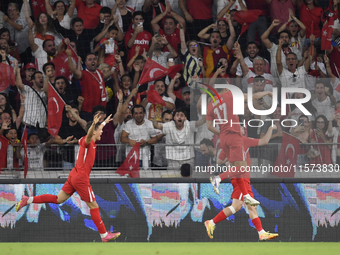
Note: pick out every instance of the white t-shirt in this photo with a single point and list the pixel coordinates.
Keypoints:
(159, 109)
(310, 80)
(35, 157)
(139, 132)
(179, 137)
(66, 21)
(293, 80)
(248, 81)
(250, 65)
(273, 66)
(324, 108)
(40, 58)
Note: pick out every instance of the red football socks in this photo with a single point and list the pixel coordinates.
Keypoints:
(98, 220)
(257, 223)
(219, 217)
(47, 198)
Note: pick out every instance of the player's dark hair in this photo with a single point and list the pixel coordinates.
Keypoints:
(166, 112)
(98, 108)
(75, 20)
(186, 170)
(180, 110)
(34, 74)
(137, 106)
(48, 64)
(207, 142)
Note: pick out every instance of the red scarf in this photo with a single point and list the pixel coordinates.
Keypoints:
(286, 52)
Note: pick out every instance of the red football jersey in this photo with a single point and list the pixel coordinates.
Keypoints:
(86, 157)
(224, 111)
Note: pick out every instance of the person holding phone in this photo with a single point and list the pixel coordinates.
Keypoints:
(220, 71)
(157, 53)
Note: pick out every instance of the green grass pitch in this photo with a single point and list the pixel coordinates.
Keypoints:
(262, 248)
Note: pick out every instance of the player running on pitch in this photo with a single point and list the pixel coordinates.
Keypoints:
(237, 194)
(78, 180)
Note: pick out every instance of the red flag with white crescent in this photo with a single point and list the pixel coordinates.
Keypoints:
(153, 71)
(7, 76)
(24, 144)
(245, 18)
(61, 64)
(287, 157)
(55, 111)
(131, 163)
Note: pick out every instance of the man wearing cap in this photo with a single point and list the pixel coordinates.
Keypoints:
(188, 98)
(29, 71)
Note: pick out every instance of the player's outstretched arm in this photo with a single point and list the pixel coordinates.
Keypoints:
(91, 129)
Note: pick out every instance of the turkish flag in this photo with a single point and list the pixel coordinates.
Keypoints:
(287, 156)
(131, 163)
(153, 71)
(3, 152)
(55, 111)
(61, 64)
(245, 18)
(155, 98)
(7, 76)
(326, 38)
(24, 144)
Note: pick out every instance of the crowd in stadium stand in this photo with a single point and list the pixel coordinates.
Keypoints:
(94, 52)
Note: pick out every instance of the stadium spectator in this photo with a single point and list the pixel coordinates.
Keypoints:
(293, 76)
(295, 112)
(5, 122)
(220, 71)
(179, 135)
(214, 52)
(60, 10)
(208, 149)
(187, 101)
(137, 36)
(42, 27)
(311, 15)
(302, 132)
(69, 133)
(51, 67)
(272, 48)
(318, 135)
(159, 158)
(89, 12)
(4, 54)
(91, 82)
(281, 10)
(157, 51)
(259, 70)
(139, 130)
(13, 145)
(30, 68)
(151, 9)
(35, 152)
(125, 116)
(2, 15)
(325, 101)
(35, 103)
(192, 58)
(16, 23)
(158, 109)
(170, 30)
(198, 16)
(333, 131)
(81, 36)
(252, 52)
(124, 13)
(223, 6)
(297, 31)
(6, 107)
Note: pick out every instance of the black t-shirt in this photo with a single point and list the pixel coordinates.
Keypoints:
(191, 111)
(65, 131)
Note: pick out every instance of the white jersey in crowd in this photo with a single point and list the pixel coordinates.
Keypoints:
(293, 80)
(35, 157)
(139, 132)
(310, 80)
(179, 138)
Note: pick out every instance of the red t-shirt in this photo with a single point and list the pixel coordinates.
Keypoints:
(308, 16)
(109, 58)
(92, 89)
(143, 40)
(200, 9)
(224, 111)
(90, 16)
(174, 39)
(247, 143)
(86, 157)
